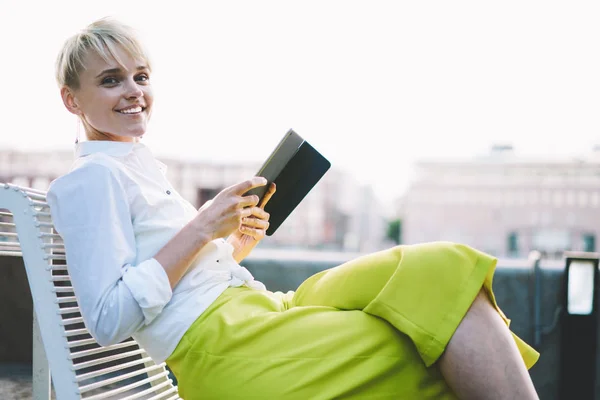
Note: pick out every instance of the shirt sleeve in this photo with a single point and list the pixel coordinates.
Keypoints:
(90, 211)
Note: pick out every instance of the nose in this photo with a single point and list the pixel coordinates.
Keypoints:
(133, 90)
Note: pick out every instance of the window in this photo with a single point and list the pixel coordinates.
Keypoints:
(594, 199)
(548, 217)
(545, 197)
(583, 199)
(533, 197)
(589, 242)
(513, 244)
(570, 198)
(558, 199)
(534, 217)
(509, 198)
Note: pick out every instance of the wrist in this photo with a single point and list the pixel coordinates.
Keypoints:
(202, 232)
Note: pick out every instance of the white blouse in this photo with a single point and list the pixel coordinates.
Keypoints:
(115, 210)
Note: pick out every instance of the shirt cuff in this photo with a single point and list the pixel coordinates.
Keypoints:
(149, 284)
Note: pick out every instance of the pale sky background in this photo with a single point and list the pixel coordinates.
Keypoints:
(374, 85)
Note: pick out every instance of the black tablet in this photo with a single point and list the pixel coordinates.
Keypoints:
(295, 166)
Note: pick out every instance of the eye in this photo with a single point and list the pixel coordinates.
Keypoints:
(142, 78)
(109, 80)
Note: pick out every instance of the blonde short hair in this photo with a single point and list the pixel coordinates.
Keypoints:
(101, 37)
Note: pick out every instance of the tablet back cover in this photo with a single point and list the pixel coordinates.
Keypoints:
(301, 173)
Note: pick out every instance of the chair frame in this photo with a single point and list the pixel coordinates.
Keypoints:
(40, 246)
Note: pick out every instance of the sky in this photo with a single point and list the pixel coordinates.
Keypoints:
(374, 85)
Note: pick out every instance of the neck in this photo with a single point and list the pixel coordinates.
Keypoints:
(93, 134)
(110, 137)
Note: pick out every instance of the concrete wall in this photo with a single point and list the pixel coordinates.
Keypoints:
(513, 286)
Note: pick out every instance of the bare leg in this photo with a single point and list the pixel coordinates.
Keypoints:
(482, 361)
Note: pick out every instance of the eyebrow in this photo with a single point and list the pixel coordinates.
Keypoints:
(118, 70)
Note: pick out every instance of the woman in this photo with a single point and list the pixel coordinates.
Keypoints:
(412, 322)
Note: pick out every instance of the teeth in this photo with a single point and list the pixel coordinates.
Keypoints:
(131, 110)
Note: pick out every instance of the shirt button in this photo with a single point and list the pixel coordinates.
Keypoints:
(168, 192)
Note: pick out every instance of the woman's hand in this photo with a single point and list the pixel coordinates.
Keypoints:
(253, 228)
(230, 211)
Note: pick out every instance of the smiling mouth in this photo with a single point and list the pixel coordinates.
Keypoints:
(132, 110)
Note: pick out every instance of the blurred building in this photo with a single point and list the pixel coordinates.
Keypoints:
(338, 214)
(505, 204)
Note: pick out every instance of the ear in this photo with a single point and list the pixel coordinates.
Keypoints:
(69, 100)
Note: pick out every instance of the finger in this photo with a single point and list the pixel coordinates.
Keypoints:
(239, 216)
(255, 233)
(270, 192)
(248, 201)
(259, 213)
(244, 213)
(252, 222)
(243, 187)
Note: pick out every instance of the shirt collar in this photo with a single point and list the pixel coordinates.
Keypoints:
(111, 148)
(114, 149)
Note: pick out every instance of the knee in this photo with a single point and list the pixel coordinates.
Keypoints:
(481, 303)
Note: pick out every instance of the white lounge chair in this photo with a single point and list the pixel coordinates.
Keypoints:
(80, 367)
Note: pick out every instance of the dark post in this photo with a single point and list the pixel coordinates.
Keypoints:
(579, 323)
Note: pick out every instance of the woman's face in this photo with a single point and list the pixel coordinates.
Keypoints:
(114, 100)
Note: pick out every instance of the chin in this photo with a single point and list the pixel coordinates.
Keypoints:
(137, 133)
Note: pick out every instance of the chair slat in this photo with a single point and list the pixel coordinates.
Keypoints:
(76, 332)
(47, 235)
(38, 206)
(67, 299)
(41, 224)
(29, 190)
(156, 388)
(82, 342)
(176, 397)
(60, 278)
(39, 203)
(11, 253)
(95, 385)
(71, 321)
(108, 370)
(114, 392)
(86, 364)
(98, 350)
(63, 289)
(53, 246)
(37, 197)
(69, 310)
(9, 244)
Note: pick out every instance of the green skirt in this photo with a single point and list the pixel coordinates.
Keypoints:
(370, 328)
